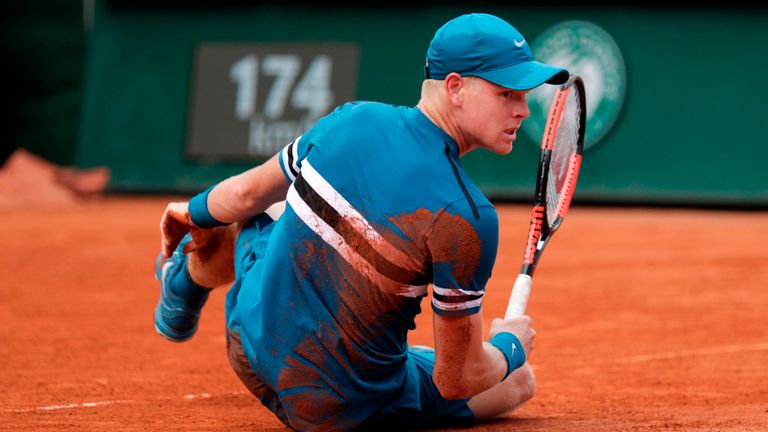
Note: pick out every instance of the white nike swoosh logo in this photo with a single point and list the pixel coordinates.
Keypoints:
(519, 44)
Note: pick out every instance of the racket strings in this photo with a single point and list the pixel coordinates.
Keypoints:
(564, 149)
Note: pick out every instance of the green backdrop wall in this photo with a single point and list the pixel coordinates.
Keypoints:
(688, 131)
(42, 51)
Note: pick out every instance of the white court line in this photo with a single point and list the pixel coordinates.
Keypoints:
(69, 406)
(671, 355)
(691, 353)
(188, 397)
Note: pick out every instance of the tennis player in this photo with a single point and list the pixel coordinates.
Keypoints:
(377, 209)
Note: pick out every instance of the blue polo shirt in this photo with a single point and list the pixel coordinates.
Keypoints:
(379, 209)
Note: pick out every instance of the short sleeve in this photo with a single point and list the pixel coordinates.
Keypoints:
(291, 157)
(463, 251)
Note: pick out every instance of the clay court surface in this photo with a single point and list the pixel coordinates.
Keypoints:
(647, 320)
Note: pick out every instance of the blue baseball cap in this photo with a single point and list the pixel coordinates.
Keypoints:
(488, 47)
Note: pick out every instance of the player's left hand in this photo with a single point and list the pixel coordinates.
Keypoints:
(174, 225)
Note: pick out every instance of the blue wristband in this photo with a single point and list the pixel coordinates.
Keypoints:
(198, 211)
(510, 346)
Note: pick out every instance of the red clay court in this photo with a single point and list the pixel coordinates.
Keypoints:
(647, 320)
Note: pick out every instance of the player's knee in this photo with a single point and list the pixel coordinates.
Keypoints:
(505, 397)
(521, 388)
(526, 384)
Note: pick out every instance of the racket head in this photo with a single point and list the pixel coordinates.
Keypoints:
(562, 145)
(563, 141)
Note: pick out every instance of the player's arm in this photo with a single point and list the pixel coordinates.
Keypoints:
(248, 194)
(232, 200)
(463, 251)
(464, 365)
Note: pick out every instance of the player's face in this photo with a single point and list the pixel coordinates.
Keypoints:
(491, 115)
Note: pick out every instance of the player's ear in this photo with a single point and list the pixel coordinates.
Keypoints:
(454, 86)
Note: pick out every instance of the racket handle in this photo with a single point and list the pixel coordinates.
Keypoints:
(518, 300)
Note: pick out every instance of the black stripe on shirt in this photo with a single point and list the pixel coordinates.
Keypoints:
(289, 150)
(353, 238)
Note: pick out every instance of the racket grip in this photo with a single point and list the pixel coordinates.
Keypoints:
(518, 300)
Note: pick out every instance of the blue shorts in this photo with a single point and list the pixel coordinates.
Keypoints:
(419, 403)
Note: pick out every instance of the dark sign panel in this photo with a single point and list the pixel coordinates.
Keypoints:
(249, 100)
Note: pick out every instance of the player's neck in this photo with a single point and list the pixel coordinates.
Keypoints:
(445, 121)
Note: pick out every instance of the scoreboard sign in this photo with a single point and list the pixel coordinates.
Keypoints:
(250, 100)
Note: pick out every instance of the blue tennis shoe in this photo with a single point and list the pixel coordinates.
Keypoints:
(181, 299)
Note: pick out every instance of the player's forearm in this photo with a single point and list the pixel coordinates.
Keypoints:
(247, 194)
(464, 364)
(234, 200)
(478, 374)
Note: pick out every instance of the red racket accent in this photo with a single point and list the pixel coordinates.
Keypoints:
(534, 234)
(553, 119)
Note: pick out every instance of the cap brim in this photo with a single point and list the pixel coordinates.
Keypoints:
(525, 76)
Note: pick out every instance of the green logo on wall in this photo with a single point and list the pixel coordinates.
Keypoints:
(590, 52)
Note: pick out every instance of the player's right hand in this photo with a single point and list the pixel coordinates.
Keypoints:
(520, 326)
(174, 225)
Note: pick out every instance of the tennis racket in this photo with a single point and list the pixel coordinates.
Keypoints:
(561, 148)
